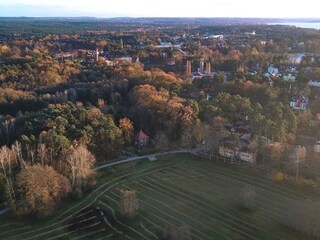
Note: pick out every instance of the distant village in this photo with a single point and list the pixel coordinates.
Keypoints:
(210, 61)
(173, 54)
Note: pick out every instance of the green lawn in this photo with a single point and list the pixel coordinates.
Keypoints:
(178, 190)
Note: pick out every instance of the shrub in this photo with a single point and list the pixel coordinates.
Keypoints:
(247, 198)
(177, 232)
(128, 204)
(279, 176)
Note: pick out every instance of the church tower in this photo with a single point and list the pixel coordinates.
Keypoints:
(201, 67)
(121, 44)
(188, 68)
(208, 68)
(97, 55)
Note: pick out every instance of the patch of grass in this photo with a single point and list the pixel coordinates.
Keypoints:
(176, 190)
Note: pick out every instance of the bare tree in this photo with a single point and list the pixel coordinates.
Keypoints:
(42, 153)
(247, 198)
(7, 129)
(81, 163)
(7, 160)
(16, 147)
(298, 155)
(129, 203)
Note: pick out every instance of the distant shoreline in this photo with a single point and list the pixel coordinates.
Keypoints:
(311, 25)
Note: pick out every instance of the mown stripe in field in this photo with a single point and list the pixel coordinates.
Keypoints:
(88, 201)
(189, 203)
(166, 217)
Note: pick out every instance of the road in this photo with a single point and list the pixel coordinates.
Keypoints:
(3, 211)
(150, 156)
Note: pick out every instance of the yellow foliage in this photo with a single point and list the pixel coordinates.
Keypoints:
(279, 176)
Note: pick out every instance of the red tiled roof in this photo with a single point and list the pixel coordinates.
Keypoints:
(141, 136)
(198, 74)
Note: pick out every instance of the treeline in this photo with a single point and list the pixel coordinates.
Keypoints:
(34, 185)
(53, 112)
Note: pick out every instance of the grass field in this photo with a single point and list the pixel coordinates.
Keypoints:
(178, 190)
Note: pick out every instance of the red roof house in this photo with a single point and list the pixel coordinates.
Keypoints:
(141, 139)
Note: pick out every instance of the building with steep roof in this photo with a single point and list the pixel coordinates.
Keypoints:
(141, 139)
(299, 102)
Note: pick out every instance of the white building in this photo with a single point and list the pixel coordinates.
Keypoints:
(299, 102)
(316, 147)
(249, 157)
(314, 83)
(290, 77)
(214, 37)
(250, 33)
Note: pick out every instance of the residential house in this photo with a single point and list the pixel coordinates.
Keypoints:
(197, 75)
(316, 147)
(272, 72)
(141, 139)
(314, 83)
(168, 45)
(246, 156)
(299, 102)
(61, 56)
(290, 77)
(238, 148)
(171, 62)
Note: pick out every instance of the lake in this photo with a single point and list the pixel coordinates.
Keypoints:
(315, 25)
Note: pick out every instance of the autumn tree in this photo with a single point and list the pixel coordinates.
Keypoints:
(161, 79)
(105, 137)
(170, 114)
(217, 134)
(126, 127)
(273, 153)
(81, 163)
(196, 133)
(128, 204)
(39, 190)
(101, 44)
(161, 142)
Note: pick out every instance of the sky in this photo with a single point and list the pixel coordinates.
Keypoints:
(161, 8)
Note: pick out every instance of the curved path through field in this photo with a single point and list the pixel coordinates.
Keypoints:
(131, 159)
(178, 190)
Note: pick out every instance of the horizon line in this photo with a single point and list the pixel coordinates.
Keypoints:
(306, 18)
